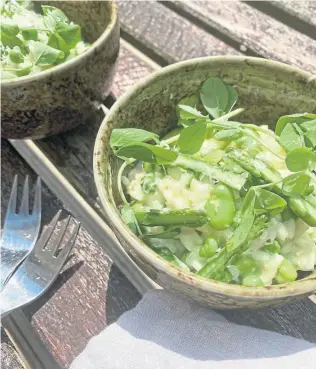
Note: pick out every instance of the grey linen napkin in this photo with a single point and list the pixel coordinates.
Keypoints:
(169, 331)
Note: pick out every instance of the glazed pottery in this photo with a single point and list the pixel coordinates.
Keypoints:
(267, 90)
(58, 99)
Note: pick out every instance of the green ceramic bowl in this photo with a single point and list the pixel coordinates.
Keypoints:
(267, 90)
(58, 99)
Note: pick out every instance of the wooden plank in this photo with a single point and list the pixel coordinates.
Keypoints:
(299, 15)
(167, 34)
(251, 30)
(87, 295)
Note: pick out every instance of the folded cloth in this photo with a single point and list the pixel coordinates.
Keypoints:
(169, 331)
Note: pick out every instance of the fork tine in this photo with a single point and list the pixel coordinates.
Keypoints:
(45, 236)
(60, 237)
(24, 209)
(37, 199)
(63, 255)
(12, 201)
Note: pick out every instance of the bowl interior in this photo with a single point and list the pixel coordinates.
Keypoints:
(266, 90)
(92, 16)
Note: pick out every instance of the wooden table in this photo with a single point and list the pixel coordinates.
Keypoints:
(92, 292)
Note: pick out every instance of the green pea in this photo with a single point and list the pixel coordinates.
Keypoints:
(245, 264)
(221, 207)
(287, 271)
(252, 280)
(273, 247)
(209, 248)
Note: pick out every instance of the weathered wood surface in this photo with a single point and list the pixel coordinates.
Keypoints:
(9, 357)
(89, 294)
(86, 297)
(254, 32)
(166, 33)
(299, 15)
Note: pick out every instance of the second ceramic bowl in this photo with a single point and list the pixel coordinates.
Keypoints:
(58, 99)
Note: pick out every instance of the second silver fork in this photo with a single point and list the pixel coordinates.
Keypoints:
(39, 270)
(20, 230)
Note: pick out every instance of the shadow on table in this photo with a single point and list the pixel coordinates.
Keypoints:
(63, 277)
(121, 295)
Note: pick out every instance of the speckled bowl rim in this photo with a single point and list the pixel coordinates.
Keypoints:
(300, 287)
(70, 63)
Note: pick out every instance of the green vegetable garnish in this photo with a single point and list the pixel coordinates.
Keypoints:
(231, 201)
(32, 42)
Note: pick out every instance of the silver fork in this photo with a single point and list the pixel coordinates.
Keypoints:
(20, 229)
(40, 268)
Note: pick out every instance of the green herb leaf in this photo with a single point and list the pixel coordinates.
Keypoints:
(55, 13)
(147, 153)
(299, 159)
(163, 156)
(291, 138)
(43, 54)
(29, 33)
(136, 151)
(214, 96)
(297, 185)
(8, 34)
(129, 218)
(294, 118)
(228, 134)
(57, 42)
(309, 125)
(70, 33)
(15, 55)
(269, 201)
(232, 98)
(191, 101)
(125, 136)
(191, 138)
(187, 112)
(9, 29)
(309, 129)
